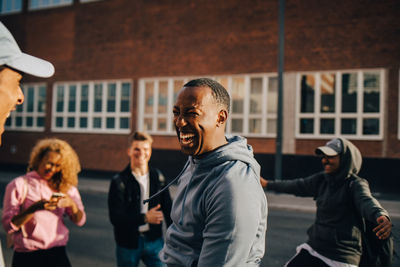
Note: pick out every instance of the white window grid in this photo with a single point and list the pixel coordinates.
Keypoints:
(168, 116)
(22, 112)
(11, 6)
(359, 115)
(90, 114)
(43, 4)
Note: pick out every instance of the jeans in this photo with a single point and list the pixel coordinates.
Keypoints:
(147, 251)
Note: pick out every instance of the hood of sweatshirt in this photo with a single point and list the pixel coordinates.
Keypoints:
(236, 149)
(350, 161)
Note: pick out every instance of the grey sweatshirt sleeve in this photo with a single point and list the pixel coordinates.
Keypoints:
(235, 221)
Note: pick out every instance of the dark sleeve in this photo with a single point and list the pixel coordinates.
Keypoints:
(117, 208)
(366, 204)
(303, 187)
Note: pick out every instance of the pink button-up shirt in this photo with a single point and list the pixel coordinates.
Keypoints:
(46, 229)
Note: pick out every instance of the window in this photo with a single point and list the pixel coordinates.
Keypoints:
(346, 103)
(10, 6)
(95, 106)
(253, 104)
(40, 4)
(30, 116)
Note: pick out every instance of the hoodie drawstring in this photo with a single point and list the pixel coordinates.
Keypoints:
(168, 185)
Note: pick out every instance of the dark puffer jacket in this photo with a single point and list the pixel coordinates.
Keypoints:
(336, 232)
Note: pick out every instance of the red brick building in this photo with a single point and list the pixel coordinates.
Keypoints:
(120, 63)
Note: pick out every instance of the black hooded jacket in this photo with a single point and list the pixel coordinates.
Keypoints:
(124, 207)
(336, 232)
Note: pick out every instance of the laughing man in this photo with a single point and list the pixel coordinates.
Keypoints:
(220, 211)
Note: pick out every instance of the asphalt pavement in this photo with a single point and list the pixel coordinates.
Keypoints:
(278, 203)
(275, 200)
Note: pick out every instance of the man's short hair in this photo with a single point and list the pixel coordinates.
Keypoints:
(219, 92)
(140, 136)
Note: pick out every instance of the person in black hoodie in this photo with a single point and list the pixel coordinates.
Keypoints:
(138, 226)
(335, 237)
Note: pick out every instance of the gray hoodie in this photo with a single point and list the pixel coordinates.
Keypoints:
(219, 213)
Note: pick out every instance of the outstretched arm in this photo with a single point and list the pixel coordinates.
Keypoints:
(304, 187)
(384, 227)
(370, 208)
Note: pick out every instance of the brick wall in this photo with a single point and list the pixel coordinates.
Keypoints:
(134, 39)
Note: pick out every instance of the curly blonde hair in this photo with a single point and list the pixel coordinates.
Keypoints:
(69, 165)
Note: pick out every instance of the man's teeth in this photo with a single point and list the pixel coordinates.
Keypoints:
(185, 137)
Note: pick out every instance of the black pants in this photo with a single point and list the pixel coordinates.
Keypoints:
(52, 257)
(304, 258)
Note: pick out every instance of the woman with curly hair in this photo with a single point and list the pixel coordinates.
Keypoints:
(34, 205)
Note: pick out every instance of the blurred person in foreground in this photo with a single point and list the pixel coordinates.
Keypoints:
(219, 214)
(341, 196)
(35, 204)
(138, 226)
(13, 64)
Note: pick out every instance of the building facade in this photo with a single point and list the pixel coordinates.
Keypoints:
(120, 64)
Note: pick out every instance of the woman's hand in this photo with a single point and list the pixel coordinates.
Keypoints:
(25, 215)
(384, 227)
(67, 202)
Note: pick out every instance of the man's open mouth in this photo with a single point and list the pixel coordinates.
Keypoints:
(186, 138)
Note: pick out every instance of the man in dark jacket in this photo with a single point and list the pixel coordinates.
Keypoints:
(138, 226)
(341, 196)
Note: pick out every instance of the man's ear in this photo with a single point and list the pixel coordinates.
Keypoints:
(222, 117)
(128, 151)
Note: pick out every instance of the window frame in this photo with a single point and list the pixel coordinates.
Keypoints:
(91, 114)
(246, 116)
(88, 1)
(359, 115)
(51, 4)
(25, 113)
(14, 10)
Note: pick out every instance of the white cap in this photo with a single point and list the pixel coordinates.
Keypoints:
(12, 56)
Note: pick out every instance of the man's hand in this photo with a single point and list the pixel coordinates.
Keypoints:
(384, 227)
(154, 215)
